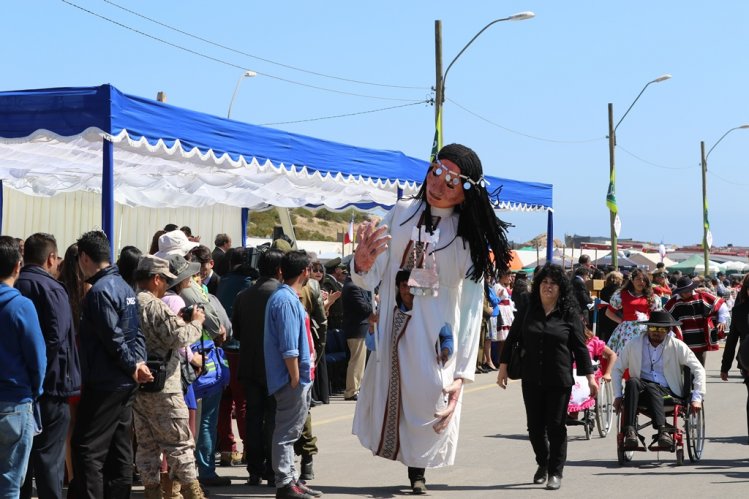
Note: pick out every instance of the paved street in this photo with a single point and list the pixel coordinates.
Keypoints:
(495, 458)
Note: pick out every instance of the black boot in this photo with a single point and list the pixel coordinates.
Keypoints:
(418, 482)
(307, 472)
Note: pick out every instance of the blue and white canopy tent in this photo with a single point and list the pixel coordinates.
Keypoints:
(136, 152)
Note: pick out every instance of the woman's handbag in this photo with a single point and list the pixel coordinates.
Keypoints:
(514, 367)
(743, 355)
(215, 374)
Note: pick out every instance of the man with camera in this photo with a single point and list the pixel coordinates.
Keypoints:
(161, 420)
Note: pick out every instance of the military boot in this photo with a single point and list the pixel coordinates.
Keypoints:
(152, 491)
(192, 490)
(169, 488)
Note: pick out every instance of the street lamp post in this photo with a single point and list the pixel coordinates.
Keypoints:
(246, 74)
(439, 86)
(707, 238)
(611, 195)
(245, 213)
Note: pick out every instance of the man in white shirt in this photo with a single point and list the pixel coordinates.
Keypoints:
(655, 362)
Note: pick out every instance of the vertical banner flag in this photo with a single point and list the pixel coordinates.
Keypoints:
(709, 235)
(611, 194)
(437, 143)
(349, 236)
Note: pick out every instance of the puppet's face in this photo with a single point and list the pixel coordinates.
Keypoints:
(444, 185)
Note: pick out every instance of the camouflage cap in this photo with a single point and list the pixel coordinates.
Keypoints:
(155, 265)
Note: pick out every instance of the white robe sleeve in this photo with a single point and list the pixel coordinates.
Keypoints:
(468, 330)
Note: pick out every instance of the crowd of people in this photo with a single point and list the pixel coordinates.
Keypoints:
(135, 368)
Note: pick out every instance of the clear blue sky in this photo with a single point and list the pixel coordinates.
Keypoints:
(550, 77)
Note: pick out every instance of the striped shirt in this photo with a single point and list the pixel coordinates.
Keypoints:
(697, 314)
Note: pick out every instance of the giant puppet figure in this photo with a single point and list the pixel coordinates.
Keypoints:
(409, 403)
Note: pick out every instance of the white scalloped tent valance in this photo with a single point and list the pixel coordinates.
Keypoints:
(161, 176)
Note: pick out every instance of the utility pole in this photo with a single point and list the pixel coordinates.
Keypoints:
(438, 97)
(612, 172)
(705, 223)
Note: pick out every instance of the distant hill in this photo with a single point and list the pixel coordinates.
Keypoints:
(309, 225)
(540, 241)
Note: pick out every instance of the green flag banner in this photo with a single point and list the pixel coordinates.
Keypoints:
(437, 142)
(707, 221)
(611, 194)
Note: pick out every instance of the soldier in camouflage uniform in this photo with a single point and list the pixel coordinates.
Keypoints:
(161, 420)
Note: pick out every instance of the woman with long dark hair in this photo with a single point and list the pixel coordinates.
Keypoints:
(551, 334)
(606, 326)
(629, 307)
(443, 236)
(128, 262)
(738, 333)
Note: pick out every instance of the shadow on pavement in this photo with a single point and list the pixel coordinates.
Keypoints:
(518, 436)
(373, 492)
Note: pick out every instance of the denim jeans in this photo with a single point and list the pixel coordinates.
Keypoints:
(207, 435)
(292, 406)
(16, 437)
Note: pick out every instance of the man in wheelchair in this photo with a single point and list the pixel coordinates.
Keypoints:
(655, 361)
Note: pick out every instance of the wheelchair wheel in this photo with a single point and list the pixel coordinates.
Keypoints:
(624, 456)
(694, 427)
(605, 408)
(588, 423)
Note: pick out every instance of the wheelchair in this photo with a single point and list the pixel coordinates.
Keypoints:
(681, 422)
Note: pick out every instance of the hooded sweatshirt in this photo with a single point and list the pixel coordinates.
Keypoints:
(22, 349)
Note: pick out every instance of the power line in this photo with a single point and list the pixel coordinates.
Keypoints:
(521, 133)
(227, 63)
(651, 163)
(428, 101)
(236, 51)
(732, 182)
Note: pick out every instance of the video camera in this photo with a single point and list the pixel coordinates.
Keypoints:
(187, 312)
(251, 260)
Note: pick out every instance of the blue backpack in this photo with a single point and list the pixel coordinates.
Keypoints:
(215, 374)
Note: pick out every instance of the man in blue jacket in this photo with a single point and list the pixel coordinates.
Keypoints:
(23, 361)
(63, 377)
(113, 364)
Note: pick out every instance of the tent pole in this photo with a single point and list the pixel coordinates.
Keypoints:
(245, 218)
(107, 194)
(550, 236)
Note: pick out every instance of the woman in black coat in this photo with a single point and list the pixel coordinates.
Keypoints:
(739, 331)
(552, 337)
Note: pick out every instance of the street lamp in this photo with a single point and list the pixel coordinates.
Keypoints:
(707, 237)
(245, 214)
(611, 194)
(440, 83)
(246, 74)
